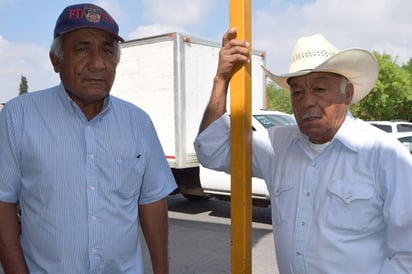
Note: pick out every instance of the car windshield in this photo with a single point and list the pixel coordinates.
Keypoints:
(273, 120)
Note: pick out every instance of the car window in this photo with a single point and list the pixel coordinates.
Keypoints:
(273, 120)
(386, 128)
(407, 141)
(404, 127)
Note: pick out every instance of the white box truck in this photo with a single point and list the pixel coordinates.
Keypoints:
(170, 76)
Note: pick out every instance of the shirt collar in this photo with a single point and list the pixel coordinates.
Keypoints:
(70, 105)
(348, 133)
(345, 135)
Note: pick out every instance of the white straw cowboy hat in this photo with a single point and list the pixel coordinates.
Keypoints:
(316, 54)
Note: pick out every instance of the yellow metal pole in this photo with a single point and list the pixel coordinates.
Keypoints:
(241, 147)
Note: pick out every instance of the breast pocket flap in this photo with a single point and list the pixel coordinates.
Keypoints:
(351, 191)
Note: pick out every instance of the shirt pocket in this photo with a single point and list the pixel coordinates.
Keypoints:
(282, 201)
(126, 176)
(352, 206)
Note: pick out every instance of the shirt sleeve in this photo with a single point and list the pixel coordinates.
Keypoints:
(158, 181)
(212, 147)
(9, 165)
(396, 175)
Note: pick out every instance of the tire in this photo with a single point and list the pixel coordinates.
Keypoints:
(194, 198)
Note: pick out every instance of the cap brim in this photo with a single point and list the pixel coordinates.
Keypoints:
(115, 36)
(357, 65)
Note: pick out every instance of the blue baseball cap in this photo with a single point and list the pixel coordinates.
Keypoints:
(81, 16)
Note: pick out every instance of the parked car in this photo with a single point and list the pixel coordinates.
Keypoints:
(217, 183)
(394, 127)
(406, 140)
(399, 129)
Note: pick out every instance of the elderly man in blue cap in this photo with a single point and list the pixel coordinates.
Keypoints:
(85, 167)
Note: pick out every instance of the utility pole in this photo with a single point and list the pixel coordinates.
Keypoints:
(241, 148)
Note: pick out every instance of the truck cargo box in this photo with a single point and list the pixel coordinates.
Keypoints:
(170, 76)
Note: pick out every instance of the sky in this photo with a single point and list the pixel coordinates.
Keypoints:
(26, 29)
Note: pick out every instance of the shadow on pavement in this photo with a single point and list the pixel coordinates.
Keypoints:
(217, 208)
(199, 243)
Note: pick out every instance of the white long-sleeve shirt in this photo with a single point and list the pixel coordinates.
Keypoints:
(346, 209)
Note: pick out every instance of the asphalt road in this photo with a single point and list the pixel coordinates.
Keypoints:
(199, 238)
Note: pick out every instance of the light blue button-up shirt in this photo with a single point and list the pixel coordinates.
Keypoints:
(79, 182)
(345, 210)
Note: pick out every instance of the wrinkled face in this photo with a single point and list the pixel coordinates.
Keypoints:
(88, 67)
(320, 101)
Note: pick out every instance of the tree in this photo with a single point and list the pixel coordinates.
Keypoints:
(278, 98)
(24, 87)
(408, 66)
(391, 98)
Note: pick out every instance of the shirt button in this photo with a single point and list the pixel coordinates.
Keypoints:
(307, 194)
(93, 249)
(297, 253)
(302, 223)
(313, 164)
(92, 188)
(93, 218)
(91, 155)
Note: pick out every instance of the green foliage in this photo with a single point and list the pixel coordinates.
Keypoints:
(278, 98)
(391, 98)
(23, 87)
(408, 66)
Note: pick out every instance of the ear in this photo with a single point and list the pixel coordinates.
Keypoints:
(349, 91)
(55, 62)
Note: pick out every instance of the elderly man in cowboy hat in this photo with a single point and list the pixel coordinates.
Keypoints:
(340, 189)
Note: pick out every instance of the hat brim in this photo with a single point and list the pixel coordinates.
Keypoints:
(359, 66)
